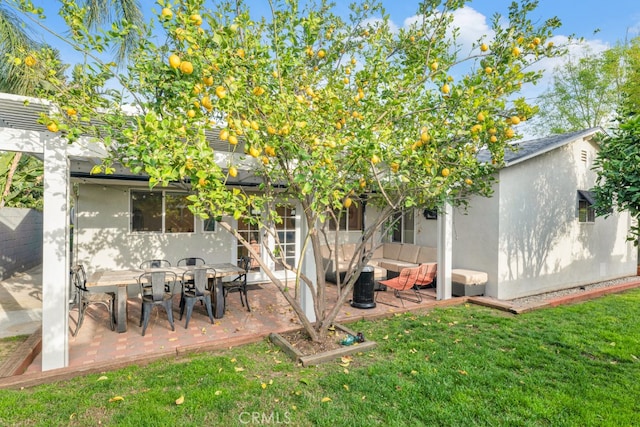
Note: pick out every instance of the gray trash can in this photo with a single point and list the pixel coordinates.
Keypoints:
(363, 293)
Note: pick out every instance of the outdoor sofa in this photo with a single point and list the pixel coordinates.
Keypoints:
(388, 259)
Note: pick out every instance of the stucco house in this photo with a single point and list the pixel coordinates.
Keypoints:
(538, 231)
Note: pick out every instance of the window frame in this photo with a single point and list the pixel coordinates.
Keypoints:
(585, 207)
(163, 212)
(345, 221)
(401, 218)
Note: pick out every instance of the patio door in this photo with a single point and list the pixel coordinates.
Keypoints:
(251, 234)
(287, 244)
(286, 232)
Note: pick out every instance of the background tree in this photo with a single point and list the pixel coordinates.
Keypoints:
(618, 181)
(325, 112)
(631, 89)
(584, 93)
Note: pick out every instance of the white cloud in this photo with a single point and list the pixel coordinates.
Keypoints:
(472, 25)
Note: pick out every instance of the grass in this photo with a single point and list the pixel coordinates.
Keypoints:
(461, 366)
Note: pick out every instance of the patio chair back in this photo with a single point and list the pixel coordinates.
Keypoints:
(195, 288)
(191, 261)
(83, 297)
(239, 284)
(156, 288)
(155, 263)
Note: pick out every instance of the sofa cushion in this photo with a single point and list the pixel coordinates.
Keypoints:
(378, 253)
(427, 254)
(409, 253)
(348, 249)
(393, 265)
(391, 250)
(468, 277)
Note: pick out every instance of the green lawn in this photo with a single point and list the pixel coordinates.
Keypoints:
(461, 366)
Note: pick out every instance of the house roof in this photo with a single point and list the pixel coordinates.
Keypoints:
(525, 150)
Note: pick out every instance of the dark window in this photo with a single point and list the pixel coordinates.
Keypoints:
(586, 210)
(178, 218)
(150, 214)
(209, 225)
(146, 211)
(351, 219)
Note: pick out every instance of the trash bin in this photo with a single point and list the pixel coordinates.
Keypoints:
(363, 294)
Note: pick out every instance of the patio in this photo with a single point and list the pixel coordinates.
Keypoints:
(96, 348)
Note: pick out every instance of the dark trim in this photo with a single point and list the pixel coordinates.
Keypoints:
(137, 178)
(88, 175)
(588, 196)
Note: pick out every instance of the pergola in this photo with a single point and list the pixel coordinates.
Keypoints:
(20, 132)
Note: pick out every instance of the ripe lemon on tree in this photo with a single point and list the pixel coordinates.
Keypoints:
(71, 111)
(186, 67)
(206, 103)
(30, 61)
(446, 89)
(52, 126)
(347, 202)
(196, 19)
(233, 140)
(166, 13)
(221, 92)
(174, 61)
(254, 152)
(445, 172)
(233, 171)
(484, 47)
(515, 120)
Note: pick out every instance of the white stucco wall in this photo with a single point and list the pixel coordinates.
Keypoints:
(475, 238)
(426, 230)
(527, 236)
(103, 239)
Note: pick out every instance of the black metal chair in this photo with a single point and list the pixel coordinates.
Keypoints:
(239, 284)
(156, 288)
(84, 297)
(194, 289)
(191, 261)
(155, 263)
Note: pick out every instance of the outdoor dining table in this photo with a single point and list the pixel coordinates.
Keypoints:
(121, 279)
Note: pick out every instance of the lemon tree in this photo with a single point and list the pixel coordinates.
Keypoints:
(324, 111)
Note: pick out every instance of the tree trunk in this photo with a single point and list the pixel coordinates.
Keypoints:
(12, 170)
